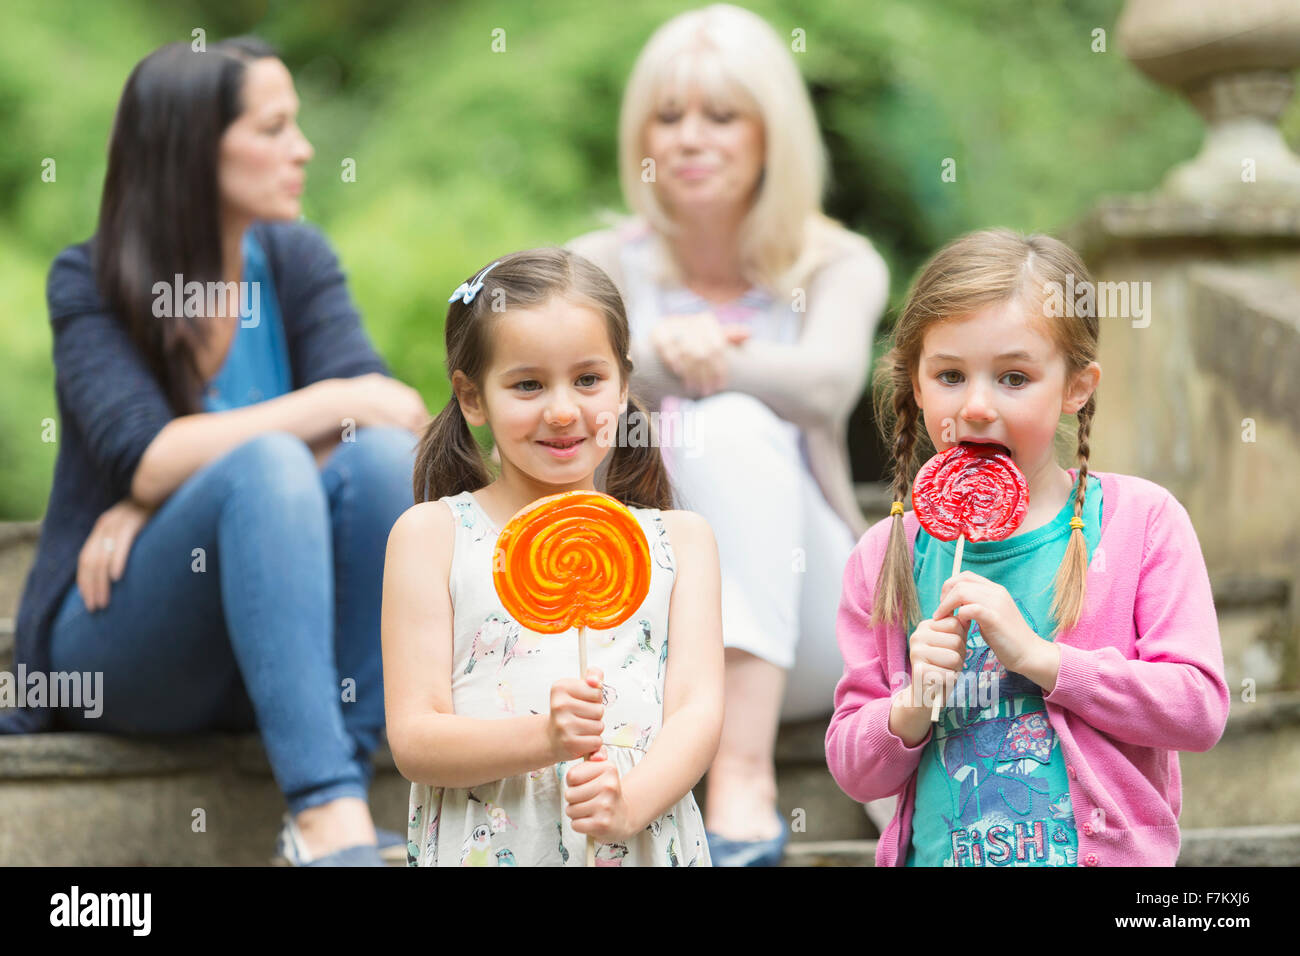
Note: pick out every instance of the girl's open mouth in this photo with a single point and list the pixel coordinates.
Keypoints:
(987, 447)
(562, 447)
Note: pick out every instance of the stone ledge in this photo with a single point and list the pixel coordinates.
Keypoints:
(65, 754)
(1245, 330)
(874, 498)
(18, 532)
(1242, 846)
(1152, 217)
(1271, 711)
(831, 853)
(802, 742)
(1249, 592)
(151, 820)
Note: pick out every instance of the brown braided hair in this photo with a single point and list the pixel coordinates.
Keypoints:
(972, 272)
(450, 461)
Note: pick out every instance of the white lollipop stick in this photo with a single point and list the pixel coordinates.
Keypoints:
(582, 672)
(956, 567)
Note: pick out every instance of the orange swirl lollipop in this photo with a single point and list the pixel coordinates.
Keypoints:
(576, 559)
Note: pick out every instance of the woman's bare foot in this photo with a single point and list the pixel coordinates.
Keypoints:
(335, 825)
(740, 802)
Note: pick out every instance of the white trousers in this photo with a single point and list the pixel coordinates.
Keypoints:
(781, 546)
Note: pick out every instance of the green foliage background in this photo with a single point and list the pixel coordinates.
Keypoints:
(462, 153)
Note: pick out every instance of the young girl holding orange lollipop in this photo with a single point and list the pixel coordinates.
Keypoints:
(1086, 640)
(482, 715)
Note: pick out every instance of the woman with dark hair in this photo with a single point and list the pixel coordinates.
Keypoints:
(233, 453)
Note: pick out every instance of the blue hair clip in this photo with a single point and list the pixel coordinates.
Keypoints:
(467, 290)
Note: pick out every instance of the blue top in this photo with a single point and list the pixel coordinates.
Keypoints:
(257, 364)
(111, 407)
(991, 785)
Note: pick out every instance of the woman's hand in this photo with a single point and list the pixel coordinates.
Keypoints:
(103, 556)
(1002, 626)
(594, 794)
(694, 347)
(377, 400)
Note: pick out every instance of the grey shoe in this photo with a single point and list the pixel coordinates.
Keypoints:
(724, 852)
(291, 850)
(392, 846)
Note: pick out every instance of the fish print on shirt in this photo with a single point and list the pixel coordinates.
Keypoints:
(995, 761)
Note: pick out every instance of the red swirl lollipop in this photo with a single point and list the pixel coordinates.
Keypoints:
(969, 491)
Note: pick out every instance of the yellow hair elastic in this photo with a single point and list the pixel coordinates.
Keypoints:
(896, 508)
(1076, 523)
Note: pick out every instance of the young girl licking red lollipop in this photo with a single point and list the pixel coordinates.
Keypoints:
(1076, 655)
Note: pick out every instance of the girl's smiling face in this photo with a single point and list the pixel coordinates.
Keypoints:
(550, 395)
(995, 376)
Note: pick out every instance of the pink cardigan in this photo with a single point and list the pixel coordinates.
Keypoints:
(1141, 678)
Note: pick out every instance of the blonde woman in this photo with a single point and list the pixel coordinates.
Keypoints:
(752, 316)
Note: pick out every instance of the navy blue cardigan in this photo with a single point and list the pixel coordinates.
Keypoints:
(111, 407)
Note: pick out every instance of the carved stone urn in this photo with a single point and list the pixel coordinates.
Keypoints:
(1234, 60)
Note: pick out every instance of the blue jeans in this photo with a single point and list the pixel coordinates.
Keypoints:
(272, 626)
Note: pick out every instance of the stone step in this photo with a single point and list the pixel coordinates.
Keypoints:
(17, 549)
(99, 800)
(874, 499)
(104, 800)
(1252, 775)
(96, 799)
(1223, 846)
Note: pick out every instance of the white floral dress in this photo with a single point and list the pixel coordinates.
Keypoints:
(500, 670)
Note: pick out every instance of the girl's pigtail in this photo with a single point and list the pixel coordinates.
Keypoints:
(637, 474)
(896, 599)
(1072, 576)
(448, 460)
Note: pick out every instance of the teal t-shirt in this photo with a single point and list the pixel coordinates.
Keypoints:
(991, 786)
(257, 365)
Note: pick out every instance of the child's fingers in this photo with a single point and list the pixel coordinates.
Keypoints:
(941, 657)
(584, 709)
(952, 625)
(578, 688)
(585, 798)
(581, 729)
(941, 634)
(580, 774)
